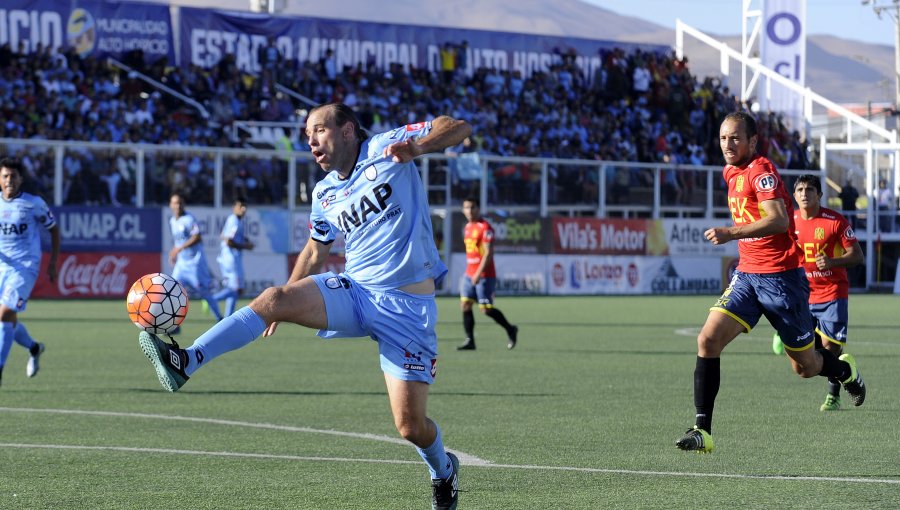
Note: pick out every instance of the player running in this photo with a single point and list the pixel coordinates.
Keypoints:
(22, 215)
(374, 196)
(187, 255)
(481, 276)
(829, 247)
(231, 259)
(769, 280)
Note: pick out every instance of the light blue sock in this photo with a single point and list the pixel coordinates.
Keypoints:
(230, 297)
(22, 337)
(213, 305)
(436, 457)
(6, 340)
(230, 333)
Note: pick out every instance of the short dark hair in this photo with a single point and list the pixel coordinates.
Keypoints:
(810, 180)
(342, 114)
(473, 200)
(747, 119)
(12, 164)
(240, 199)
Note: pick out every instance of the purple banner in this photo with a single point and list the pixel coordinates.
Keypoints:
(108, 229)
(206, 35)
(91, 27)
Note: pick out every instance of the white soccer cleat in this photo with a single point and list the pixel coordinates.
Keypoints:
(32, 368)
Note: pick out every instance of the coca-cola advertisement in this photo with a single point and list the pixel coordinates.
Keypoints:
(94, 275)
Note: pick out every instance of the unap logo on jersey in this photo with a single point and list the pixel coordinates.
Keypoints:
(766, 182)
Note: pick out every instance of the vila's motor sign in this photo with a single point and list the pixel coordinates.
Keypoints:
(599, 237)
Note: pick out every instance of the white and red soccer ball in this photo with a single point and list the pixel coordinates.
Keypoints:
(157, 303)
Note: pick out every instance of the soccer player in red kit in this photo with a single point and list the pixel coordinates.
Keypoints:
(481, 277)
(829, 247)
(769, 280)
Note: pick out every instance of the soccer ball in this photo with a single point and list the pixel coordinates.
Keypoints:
(157, 303)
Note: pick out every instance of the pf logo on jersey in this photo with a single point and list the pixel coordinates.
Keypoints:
(766, 182)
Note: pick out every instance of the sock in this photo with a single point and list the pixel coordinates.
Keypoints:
(469, 324)
(706, 387)
(230, 296)
(834, 387)
(436, 457)
(213, 305)
(498, 317)
(832, 367)
(230, 333)
(7, 332)
(22, 337)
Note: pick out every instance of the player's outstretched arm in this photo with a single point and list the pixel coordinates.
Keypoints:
(445, 132)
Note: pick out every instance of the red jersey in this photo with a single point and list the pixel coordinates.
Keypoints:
(748, 187)
(830, 233)
(477, 235)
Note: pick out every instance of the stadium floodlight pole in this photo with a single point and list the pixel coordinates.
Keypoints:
(893, 11)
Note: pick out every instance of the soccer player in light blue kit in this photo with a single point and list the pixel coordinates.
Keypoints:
(231, 263)
(374, 196)
(22, 215)
(187, 256)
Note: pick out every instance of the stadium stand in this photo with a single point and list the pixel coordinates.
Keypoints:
(639, 107)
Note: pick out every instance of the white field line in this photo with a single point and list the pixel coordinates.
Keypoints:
(463, 457)
(502, 466)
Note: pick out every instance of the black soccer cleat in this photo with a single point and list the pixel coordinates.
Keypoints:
(513, 337)
(854, 384)
(169, 361)
(469, 345)
(445, 491)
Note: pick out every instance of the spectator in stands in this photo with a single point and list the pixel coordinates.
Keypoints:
(848, 196)
(885, 207)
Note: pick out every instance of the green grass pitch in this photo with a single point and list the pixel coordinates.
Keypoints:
(582, 414)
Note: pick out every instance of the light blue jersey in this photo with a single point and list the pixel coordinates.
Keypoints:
(230, 259)
(190, 268)
(20, 242)
(382, 210)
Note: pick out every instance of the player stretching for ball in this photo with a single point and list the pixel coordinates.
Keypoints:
(22, 215)
(373, 195)
(829, 247)
(481, 276)
(769, 280)
(187, 255)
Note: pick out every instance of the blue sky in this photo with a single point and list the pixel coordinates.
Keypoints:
(848, 19)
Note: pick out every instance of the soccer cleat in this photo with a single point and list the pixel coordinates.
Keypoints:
(777, 346)
(31, 369)
(832, 403)
(168, 360)
(468, 346)
(513, 337)
(696, 440)
(854, 384)
(445, 491)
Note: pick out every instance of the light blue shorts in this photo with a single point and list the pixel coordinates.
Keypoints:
(197, 280)
(831, 320)
(402, 324)
(232, 270)
(15, 288)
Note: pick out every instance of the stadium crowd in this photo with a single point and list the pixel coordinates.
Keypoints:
(639, 106)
